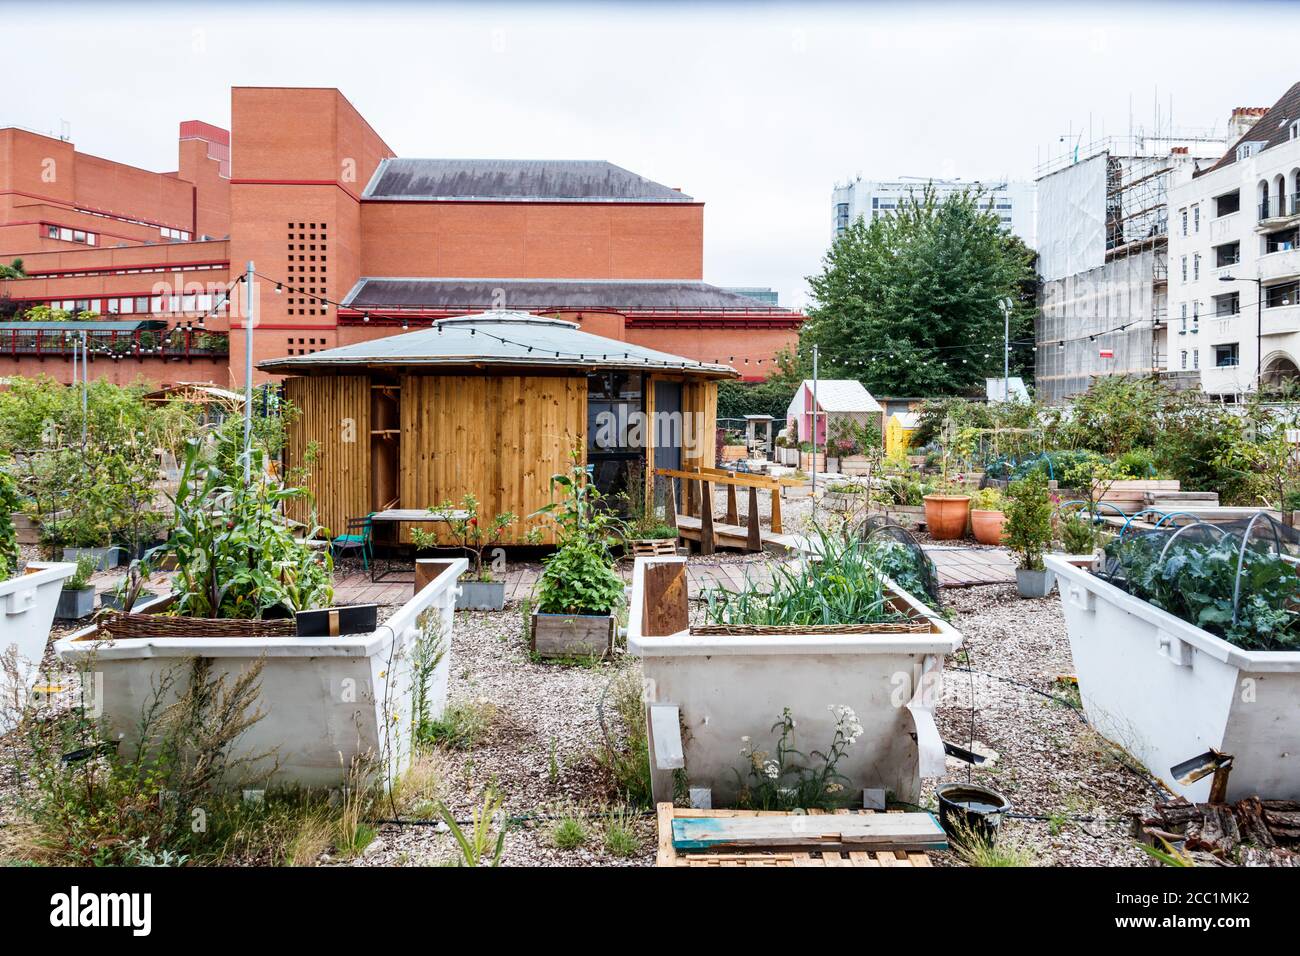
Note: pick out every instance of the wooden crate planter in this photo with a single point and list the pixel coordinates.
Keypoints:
(734, 452)
(855, 465)
(571, 635)
(807, 461)
(831, 852)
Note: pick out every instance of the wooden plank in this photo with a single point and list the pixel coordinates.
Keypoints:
(858, 831)
(754, 538)
(665, 608)
(733, 516)
(667, 854)
(707, 541)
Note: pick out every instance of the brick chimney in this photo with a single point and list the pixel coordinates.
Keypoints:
(1242, 119)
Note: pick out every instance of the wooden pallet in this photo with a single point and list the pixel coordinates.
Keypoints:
(653, 548)
(668, 854)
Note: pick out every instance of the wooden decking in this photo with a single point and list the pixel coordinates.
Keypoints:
(967, 567)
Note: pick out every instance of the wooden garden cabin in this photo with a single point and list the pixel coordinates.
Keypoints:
(491, 404)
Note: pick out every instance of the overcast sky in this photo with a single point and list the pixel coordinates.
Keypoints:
(758, 110)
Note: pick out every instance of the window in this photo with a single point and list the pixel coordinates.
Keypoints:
(1228, 254)
(1183, 318)
(1228, 203)
(1294, 131)
(1282, 241)
(1226, 305)
(1183, 355)
(1196, 358)
(1196, 315)
(1182, 214)
(1196, 218)
(1196, 266)
(1227, 356)
(841, 216)
(1276, 296)
(1246, 150)
(1184, 268)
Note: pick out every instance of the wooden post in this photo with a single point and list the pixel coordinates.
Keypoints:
(664, 610)
(707, 542)
(776, 510)
(733, 516)
(426, 569)
(754, 539)
(670, 507)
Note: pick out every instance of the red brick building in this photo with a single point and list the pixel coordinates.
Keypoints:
(350, 243)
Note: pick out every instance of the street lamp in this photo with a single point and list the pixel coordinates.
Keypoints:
(1259, 326)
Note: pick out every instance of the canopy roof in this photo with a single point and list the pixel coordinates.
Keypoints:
(495, 339)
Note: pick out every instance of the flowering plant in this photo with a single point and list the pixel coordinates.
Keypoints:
(472, 535)
(780, 781)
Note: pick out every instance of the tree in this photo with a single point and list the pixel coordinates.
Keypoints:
(768, 397)
(908, 303)
(12, 271)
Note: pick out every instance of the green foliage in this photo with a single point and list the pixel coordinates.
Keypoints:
(568, 833)
(910, 568)
(1028, 528)
(1078, 534)
(236, 554)
(791, 780)
(480, 844)
(1137, 463)
(1116, 414)
(579, 578)
(86, 567)
(928, 277)
(472, 535)
(620, 834)
(769, 397)
(14, 270)
(625, 756)
(9, 503)
(987, 499)
(461, 727)
(1196, 579)
(843, 585)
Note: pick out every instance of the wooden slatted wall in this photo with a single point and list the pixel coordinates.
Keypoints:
(336, 416)
(700, 409)
(499, 438)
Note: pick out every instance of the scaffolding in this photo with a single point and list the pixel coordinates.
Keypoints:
(1103, 236)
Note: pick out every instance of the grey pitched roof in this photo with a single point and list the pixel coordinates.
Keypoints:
(526, 294)
(514, 180)
(1271, 129)
(500, 339)
(842, 395)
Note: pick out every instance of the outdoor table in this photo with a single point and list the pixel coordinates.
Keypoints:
(415, 516)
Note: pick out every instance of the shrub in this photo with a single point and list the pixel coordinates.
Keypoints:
(987, 499)
(1028, 528)
(86, 567)
(1078, 534)
(9, 553)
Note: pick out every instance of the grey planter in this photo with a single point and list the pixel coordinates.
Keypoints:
(481, 596)
(105, 558)
(1034, 584)
(75, 604)
(572, 635)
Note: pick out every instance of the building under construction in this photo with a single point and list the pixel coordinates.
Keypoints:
(1103, 224)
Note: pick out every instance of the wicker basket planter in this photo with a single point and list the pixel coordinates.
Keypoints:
(709, 686)
(327, 700)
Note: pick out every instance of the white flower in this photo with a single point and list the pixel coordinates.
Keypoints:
(772, 769)
(745, 739)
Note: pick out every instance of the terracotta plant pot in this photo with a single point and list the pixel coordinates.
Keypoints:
(987, 525)
(945, 516)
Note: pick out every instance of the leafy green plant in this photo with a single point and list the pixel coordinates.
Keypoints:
(1078, 533)
(842, 584)
(910, 568)
(790, 780)
(461, 726)
(86, 567)
(568, 833)
(579, 578)
(9, 503)
(625, 754)
(620, 837)
(1028, 528)
(1196, 579)
(987, 499)
(236, 554)
(480, 844)
(472, 535)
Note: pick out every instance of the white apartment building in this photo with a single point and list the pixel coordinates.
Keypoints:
(1012, 201)
(1234, 260)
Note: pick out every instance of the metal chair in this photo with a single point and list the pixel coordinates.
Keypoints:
(360, 536)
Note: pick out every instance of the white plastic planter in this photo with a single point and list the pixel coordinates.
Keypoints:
(27, 604)
(327, 701)
(719, 689)
(1167, 691)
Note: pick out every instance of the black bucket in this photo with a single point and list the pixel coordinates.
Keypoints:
(969, 808)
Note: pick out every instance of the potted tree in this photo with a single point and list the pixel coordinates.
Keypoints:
(947, 510)
(579, 590)
(986, 516)
(77, 599)
(473, 536)
(1028, 532)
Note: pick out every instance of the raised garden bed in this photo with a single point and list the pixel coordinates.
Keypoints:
(27, 604)
(328, 701)
(1167, 690)
(710, 688)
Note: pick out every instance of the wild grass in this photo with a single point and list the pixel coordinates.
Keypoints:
(625, 754)
(620, 836)
(568, 832)
(973, 849)
(485, 839)
(462, 726)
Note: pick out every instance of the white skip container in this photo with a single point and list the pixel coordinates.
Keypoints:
(705, 693)
(1168, 691)
(27, 604)
(328, 701)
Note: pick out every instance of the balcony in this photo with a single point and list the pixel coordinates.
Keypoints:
(39, 340)
(1283, 264)
(1276, 208)
(1280, 320)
